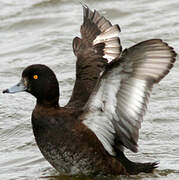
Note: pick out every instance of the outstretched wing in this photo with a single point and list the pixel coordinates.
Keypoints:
(116, 107)
(99, 45)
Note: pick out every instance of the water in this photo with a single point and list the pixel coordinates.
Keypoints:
(41, 31)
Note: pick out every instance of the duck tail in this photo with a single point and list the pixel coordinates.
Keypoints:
(134, 168)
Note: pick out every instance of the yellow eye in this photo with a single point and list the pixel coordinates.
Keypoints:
(35, 77)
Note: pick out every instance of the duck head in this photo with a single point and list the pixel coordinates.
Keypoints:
(40, 81)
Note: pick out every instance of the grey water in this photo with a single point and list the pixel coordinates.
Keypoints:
(41, 31)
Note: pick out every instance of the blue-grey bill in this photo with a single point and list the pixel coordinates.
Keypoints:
(17, 88)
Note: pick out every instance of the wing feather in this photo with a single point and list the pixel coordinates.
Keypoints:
(99, 44)
(116, 107)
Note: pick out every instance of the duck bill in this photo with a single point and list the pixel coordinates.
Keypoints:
(20, 87)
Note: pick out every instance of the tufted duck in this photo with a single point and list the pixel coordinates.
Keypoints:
(108, 102)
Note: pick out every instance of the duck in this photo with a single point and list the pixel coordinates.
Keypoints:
(89, 135)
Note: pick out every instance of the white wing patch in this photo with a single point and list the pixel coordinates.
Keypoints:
(103, 132)
(111, 39)
(116, 107)
(109, 34)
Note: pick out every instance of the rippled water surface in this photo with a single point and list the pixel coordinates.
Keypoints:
(41, 31)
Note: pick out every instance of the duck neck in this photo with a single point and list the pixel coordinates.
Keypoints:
(49, 97)
(48, 103)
